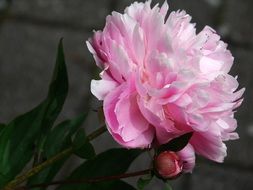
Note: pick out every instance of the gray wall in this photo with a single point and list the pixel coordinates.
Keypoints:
(29, 33)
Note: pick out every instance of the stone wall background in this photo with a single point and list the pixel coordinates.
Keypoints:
(31, 29)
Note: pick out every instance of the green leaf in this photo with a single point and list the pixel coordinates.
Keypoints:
(58, 139)
(2, 126)
(58, 89)
(118, 184)
(18, 138)
(144, 181)
(86, 151)
(57, 93)
(3, 179)
(167, 186)
(108, 185)
(111, 162)
(61, 135)
(17, 141)
(176, 144)
(82, 147)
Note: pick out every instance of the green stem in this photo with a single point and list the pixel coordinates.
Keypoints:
(92, 180)
(19, 179)
(97, 133)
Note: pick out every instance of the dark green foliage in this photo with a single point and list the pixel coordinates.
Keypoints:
(176, 144)
(25, 134)
(33, 138)
(144, 181)
(58, 139)
(167, 186)
(111, 162)
(2, 127)
(82, 146)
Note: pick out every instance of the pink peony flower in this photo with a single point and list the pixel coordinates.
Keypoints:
(170, 164)
(161, 80)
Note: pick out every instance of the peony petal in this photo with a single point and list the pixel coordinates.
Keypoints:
(130, 119)
(144, 140)
(208, 65)
(109, 104)
(209, 144)
(100, 88)
(164, 9)
(187, 156)
(124, 120)
(138, 44)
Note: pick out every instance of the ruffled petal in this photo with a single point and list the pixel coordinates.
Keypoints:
(187, 157)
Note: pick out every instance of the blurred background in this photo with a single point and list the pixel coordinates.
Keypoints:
(31, 29)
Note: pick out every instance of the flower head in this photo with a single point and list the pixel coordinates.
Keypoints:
(169, 164)
(161, 80)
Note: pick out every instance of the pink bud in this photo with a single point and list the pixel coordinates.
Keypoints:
(168, 165)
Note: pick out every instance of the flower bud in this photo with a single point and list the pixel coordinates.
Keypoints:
(168, 165)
